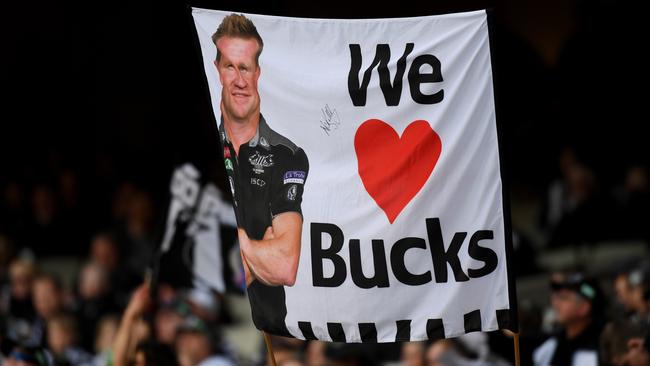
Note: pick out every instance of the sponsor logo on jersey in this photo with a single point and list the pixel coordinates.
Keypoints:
(294, 176)
(258, 182)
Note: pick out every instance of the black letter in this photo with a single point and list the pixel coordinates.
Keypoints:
(440, 257)
(380, 278)
(397, 254)
(415, 79)
(318, 254)
(487, 255)
(392, 93)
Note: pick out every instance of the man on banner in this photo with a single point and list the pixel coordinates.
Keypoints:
(266, 172)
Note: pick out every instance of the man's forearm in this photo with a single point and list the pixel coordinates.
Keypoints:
(274, 261)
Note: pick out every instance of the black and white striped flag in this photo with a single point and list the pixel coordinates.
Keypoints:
(191, 254)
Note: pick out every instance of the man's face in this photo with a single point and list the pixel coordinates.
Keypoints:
(21, 283)
(166, 323)
(238, 73)
(569, 306)
(46, 298)
(412, 353)
(192, 348)
(435, 352)
(623, 291)
(58, 338)
(637, 299)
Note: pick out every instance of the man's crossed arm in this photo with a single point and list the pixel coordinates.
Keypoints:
(274, 259)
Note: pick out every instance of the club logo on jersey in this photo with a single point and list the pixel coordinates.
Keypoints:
(259, 162)
(292, 193)
(294, 176)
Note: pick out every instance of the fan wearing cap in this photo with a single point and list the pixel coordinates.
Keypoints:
(578, 304)
(639, 281)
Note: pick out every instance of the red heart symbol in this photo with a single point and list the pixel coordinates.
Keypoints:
(394, 169)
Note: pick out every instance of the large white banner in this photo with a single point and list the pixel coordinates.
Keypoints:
(363, 159)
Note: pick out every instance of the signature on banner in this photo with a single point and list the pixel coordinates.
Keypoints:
(330, 120)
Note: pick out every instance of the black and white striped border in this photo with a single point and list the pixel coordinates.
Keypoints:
(435, 328)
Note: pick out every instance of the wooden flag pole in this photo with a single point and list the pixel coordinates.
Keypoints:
(517, 357)
(269, 348)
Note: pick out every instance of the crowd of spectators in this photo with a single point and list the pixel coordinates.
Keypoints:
(105, 313)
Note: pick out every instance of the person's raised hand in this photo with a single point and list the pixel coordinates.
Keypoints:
(140, 301)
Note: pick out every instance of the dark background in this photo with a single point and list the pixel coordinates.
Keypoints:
(115, 91)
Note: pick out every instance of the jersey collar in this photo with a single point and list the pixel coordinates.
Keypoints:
(261, 137)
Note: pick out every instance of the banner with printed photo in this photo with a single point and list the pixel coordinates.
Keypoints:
(363, 160)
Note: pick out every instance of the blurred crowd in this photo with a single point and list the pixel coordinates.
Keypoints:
(104, 311)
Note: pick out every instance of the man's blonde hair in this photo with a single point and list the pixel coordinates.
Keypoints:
(238, 26)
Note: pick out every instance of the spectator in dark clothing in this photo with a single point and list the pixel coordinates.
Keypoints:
(639, 280)
(72, 216)
(46, 236)
(151, 353)
(349, 354)
(16, 300)
(576, 204)
(135, 236)
(47, 295)
(624, 292)
(105, 251)
(578, 303)
(6, 254)
(634, 199)
(62, 341)
(168, 318)
(197, 343)
(13, 211)
(94, 301)
(614, 341)
(17, 355)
